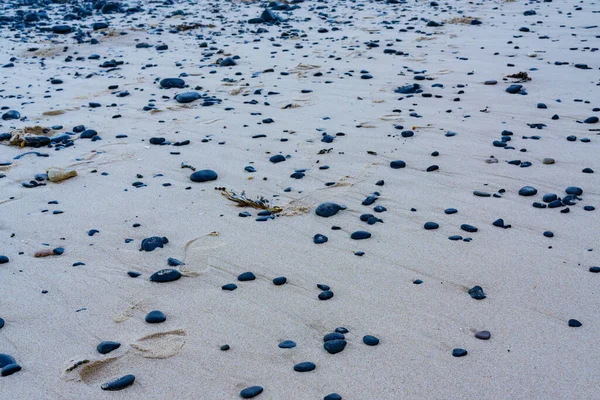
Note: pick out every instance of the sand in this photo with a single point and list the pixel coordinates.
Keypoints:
(534, 284)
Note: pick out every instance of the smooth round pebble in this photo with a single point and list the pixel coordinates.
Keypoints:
(280, 280)
(325, 295)
(287, 344)
(246, 276)
(107, 346)
(156, 317)
(119, 383)
(459, 352)
(251, 392)
(431, 225)
(204, 175)
(319, 239)
(483, 335)
(370, 340)
(527, 191)
(305, 367)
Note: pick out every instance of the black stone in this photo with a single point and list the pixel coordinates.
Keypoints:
(169, 83)
(333, 336)
(246, 276)
(328, 209)
(595, 269)
(332, 396)
(134, 274)
(119, 383)
(107, 346)
(6, 359)
(280, 280)
(10, 369)
(155, 317)
(574, 190)
(527, 191)
(230, 287)
(153, 242)
(3, 259)
(287, 344)
(573, 323)
(468, 228)
(335, 346)
(304, 367)
(431, 225)
(165, 275)
(251, 392)
(360, 235)
(548, 234)
(318, 238)
(325, 295)
(483, 335)
(370, 340)
(397, 164)
(204, 175)
(477, 293)
(459, 352)
(277, 158)
(187, 97)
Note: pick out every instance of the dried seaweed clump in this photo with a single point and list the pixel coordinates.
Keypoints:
(188, 27)
(521, 76)
(259, 202)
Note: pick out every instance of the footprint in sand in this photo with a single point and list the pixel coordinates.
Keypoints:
(161, 344)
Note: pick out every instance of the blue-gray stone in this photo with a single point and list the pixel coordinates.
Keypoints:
(304, 367)
(370, 340)
(119, 383)
(153, 242)
(107, 346)
(477, 293)
(431, 225)
(187, 97)
(459, 352)
(6, 359)
(246, 276)
(325, 295)
(156, 317)
(397, 164)
(573, 323)
(468, 228)
(277, 158)
(360, 235)
(204, 175)
(3, 259)
(335, 346)
(10, 369)
(280, 280)
(287, 344)
(251, 392)
(328, 209)
(169, 83)
(527, 191)
(577, 191)
(165, 275)
(318, 239)
(333, 336)
(229, 287)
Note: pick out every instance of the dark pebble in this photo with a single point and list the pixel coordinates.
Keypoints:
(165, 275)
(318, 238)
(595, 269)
(397, 164)
(468, 228)
(370, 340)
(251, 392)
(10, 369)
(280, 280)
(450, 211)
(360, 235)
(156, 317)
(119, 383)
(6, 359)
(332, 396)
(134, 274)
(573, 323)
(483, 335)
(325, 295)
(334, 346)
(304, 367)
(574, 190)
(333, 336)
(527, 191)
(328, 209)
(153, 242)
(3, 259)
(246, 276)
(204, 176)
(477, 293)
(322, 286)
(459, 352)
(225, 347)
(107, 346)
(230, 287)
(277, 158)
(548, 234)
(287, 344)
(431, 225)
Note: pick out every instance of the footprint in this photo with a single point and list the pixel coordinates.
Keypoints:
(161, 344)
(94, 370)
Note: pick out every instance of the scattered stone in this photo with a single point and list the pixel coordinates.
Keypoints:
(573, 323)
(477, 293)
(370, 340)
(251, 392)
(154, 242)
(304, 367)
(119, 383)
(165, 275)
(156, 317)
(107, 347)
(204, 175)
(483, 335)
(459, 352)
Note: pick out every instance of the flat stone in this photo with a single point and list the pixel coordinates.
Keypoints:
(229, 287)
(431, 225)
(204, 175)
(483, 335)
(304, 367)
(468, 228)
(325, 295)
(334, 346)
(370, 340)
(548, 161)
(10, 369)
(251, 392)
(360, 235)
(165, 275)
(287, 344)
(107, 346)
(397, 164)
(119, 383)
(574, 323)
(527, 191)
(280, 280)
(6, 359)
(327, 210)
(246, 276)
(459, 352)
